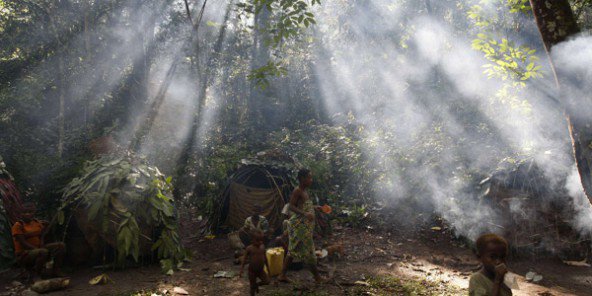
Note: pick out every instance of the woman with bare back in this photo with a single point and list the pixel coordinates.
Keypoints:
(301, 228)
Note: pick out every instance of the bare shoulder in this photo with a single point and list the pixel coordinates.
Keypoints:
(296, 194)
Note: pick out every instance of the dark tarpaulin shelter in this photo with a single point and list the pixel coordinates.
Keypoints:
(535, 213)
(10, 203)
(263, 180)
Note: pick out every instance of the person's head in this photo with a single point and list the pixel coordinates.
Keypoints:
(492, 250)
(257, 210)
(305, 177)
(28, 211)
(257, 238)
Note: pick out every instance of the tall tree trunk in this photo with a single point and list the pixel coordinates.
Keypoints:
(87, 51)
(137, 96)
(60, 85)
(259, 58)
(556, 23)
(203, 77)
(62, 97)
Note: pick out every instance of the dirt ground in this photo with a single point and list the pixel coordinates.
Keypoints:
(426, 262)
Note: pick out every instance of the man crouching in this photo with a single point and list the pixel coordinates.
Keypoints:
(30, 249)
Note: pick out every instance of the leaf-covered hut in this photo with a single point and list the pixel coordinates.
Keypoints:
(126, 204)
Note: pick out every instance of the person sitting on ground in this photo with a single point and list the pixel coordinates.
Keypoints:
(30, 249)
(492, 250)
(255, 255)
(301, 228)
(254, 223)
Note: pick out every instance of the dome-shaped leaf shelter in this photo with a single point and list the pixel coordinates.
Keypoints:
(126, 204)
(263, 180)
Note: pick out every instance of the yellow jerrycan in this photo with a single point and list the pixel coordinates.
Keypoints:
(275, 259)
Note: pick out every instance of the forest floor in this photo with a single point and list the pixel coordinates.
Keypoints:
(413, 262)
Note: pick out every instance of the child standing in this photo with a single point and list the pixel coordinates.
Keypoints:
(255, 253)
(492, 250)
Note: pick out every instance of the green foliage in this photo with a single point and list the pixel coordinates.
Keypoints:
(583, 12)
(291, 16)
(261, 75)
(133, 200)
(508, 96)
(508, 61)
(285, 22)
(217, 162)
(334, 154)
(513, 64)
(355, 216)
(522, 6)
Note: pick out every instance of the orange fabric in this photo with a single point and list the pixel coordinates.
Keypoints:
(24, 229)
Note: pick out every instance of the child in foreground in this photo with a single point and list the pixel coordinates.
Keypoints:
(255, 254)
(492, 250)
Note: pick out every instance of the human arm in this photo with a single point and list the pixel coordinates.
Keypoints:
(24, 243)
(32, 234)
(244, 260)
(264, 225)
(19, 234)
(266, 263)
(46, 227)
(500, 272)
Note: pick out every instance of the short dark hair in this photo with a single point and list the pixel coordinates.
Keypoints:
(303, 173)
(27, 206)
(488, 238)
(257, 209)
(257, 236)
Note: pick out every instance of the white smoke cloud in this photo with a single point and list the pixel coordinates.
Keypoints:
(583, 219)
(390, 87)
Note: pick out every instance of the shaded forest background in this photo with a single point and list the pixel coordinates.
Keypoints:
(195, 86)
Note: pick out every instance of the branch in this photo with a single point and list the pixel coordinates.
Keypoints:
(188, 12)
(203, 7)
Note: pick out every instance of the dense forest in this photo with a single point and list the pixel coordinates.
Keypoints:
(475, 113)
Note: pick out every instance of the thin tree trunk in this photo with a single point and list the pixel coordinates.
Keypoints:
(59, 82)
(138, 88)
(556, 24)
(185, 158)
(259, 58)
(150, 117)
(87, 51)
(62, 98)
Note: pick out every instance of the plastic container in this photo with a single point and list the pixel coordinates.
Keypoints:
(275, 259)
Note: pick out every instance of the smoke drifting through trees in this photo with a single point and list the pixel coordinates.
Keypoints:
(402, 88)
(402, 71)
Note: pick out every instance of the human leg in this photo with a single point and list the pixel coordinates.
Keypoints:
(263, 277)
(35, 259)
(315, 273)
(287, 261)
(253, 283)
(57, 251)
